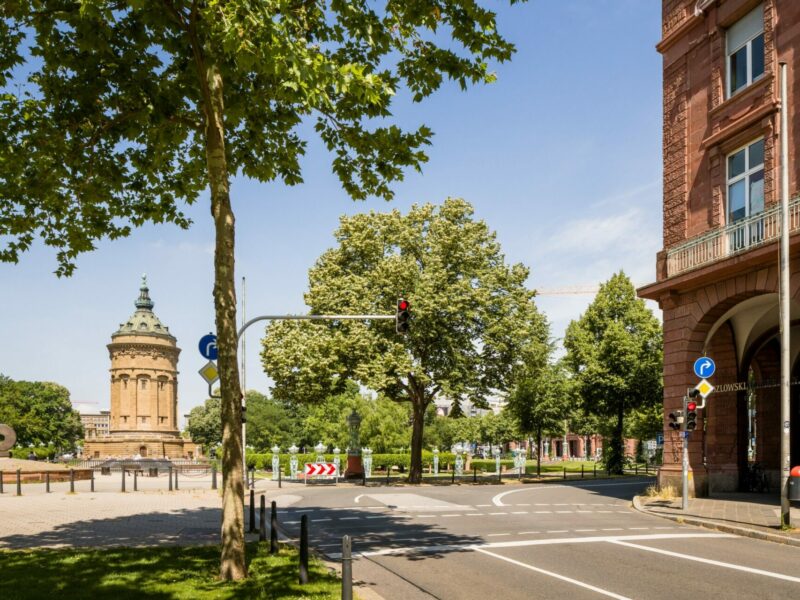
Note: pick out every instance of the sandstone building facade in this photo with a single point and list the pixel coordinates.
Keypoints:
(144, 391)
(717, 276)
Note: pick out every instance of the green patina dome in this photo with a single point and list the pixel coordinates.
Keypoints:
(143, 321)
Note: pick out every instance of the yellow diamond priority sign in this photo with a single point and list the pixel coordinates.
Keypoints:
(704, 388)
(209, 372)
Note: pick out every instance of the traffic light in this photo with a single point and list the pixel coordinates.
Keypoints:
(691, 415)
(675, 419)
(402, 319)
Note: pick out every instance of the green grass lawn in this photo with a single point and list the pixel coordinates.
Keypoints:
(188, 573)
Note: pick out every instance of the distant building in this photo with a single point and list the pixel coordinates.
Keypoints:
(96, 424)
(143, 419)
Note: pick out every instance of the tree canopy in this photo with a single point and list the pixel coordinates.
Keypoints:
(614, 351)
(473, 317)
(127, 110)
(40, 413)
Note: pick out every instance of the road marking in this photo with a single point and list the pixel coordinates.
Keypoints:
(612, 529)
(584, 511)
(605, 511)
(584, 530)
(320, 520)
(498, 513)
(473, 515)
(561, 504)
(378, 517)
(527, 532)
(303, 510)
(564, 512)
(426, 516)
(520, 512)
(709, 561)
(555, 575)
(498, 499)
(449, 515)
(359, 497)
(663, 528)
(483, 505)
(291, 522)
(557, 530)
(349, 518)
(523, 504)
(497, 534)
(588, 539)
(637, 528)
(542, 512)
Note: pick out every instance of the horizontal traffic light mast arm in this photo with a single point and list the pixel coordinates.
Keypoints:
(313, 318)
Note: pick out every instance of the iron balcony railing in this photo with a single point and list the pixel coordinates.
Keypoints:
(730, 240)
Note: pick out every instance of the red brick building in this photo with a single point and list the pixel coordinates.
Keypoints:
(717, 276)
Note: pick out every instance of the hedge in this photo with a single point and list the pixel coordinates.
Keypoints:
(263, 461)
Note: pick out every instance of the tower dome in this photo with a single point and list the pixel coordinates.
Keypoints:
(143, 321)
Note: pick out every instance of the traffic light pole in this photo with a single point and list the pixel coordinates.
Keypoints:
(685, 464)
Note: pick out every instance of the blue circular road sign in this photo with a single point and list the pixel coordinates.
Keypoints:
(704, 367)
(208, 346)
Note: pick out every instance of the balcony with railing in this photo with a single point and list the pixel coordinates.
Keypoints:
(741, 236)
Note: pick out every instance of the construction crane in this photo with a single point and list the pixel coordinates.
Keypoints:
(572, 290)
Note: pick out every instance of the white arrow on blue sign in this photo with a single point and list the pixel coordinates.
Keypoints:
(704, 367)
(208, 346)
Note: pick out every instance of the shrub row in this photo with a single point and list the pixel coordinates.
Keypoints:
(263, 461)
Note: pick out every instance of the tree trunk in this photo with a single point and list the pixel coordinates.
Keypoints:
(415, 472)
(232, 560)
(616, 458)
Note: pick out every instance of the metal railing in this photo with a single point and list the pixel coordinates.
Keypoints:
(730, 240)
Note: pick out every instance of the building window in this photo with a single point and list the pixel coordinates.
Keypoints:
(745, 50)
(746, 194)
(144, 384)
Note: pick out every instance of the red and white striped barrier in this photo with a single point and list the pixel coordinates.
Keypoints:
(328, 469)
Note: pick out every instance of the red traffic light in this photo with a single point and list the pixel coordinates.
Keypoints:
(403, 305)
(692, 406)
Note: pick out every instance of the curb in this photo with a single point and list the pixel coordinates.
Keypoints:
(716, 526)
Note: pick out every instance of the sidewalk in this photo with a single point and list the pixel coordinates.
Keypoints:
(750, 515)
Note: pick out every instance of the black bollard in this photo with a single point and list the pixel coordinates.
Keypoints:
(565, 472)
(135, 480)
(453, 476)
(364, 478)
(595, 471)
(123, 479)
(262, 520)
(213, 477)
(581, 470)
(176, 479)
(19, 482)
(636, 469)
(1, 483)
(387, 475)
(170, 478)
(91, 479)
(273, 528)
(474, 474)
(280, 472)
(304, 549)
(72, 481)
(253, 511)
(47, 482)
(500, 475)
(347, 570)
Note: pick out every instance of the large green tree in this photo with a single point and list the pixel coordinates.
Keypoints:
(39, 413)
(473, 314)
(540, 402)
(614, 351)
(127, 110)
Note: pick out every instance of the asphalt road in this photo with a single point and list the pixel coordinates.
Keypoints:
(574, 540)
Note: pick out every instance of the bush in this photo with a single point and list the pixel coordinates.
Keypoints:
(489, 464)
(263, 461)
(42, 453)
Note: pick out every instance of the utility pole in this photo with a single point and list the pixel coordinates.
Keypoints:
(244, 384)
(785, 323)
(685, 463)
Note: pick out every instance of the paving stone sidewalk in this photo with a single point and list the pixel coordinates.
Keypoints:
(753, 515)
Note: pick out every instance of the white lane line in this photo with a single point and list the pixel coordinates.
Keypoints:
(584, 511)
(584, 530)
(297, 510)
(483, 505)
(638, 528)
(497, 534)
(498, 513)
(426, 516)
(561, 504)
(564, 512)
(527, 532)
(498, 499)
(555, 575)
(542, 542)
(520, 512)
(320, 520)
(450, 515)
(605, 511)
(523, 504)
(359, 497)
(542, 512)
(612, 529)
(291, 522)
(349, 518)
(378, 517)
(709, 561)
(663, 528)
(557, 530)
(473, 515)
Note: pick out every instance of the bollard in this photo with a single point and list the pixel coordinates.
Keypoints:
(123, 479)
(170, 478)
(176, 478)
(273, 531)
(304, 549)
(47, 482)
(19, 482)
(565, 472)
(135, 480)
(72, 481)
(500, 475)
(280, 472)
(387, 475)
(262, 520)
(453, 476)
(347, 570)
(1, 483)
(364, 478)
(252, 477)
(636, 469)
(595, 471)
(213, 477)
(253, 511)
(474, 474)
(581, 470)
(91, 480)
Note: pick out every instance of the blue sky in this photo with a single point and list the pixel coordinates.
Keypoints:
(561, 157)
